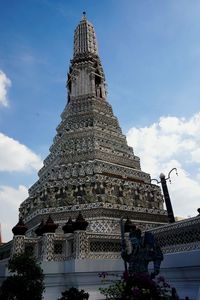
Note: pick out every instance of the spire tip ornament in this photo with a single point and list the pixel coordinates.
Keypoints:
(84, 15)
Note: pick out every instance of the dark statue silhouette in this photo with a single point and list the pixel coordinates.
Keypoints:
(140, 250)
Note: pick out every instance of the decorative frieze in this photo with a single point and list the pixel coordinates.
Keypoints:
(81, 188)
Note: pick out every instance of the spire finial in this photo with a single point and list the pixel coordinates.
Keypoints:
(84, 15)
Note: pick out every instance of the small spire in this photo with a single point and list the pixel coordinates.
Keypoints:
(80, 223)
(84, 15)
(20, 228)
(69, 226)
(49, 226)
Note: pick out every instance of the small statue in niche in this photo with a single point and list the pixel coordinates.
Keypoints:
(98, 80)
(89, 196)
(127, 196)
(70, 200)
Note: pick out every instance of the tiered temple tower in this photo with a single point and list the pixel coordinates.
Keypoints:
(90, 167)
(91, 172)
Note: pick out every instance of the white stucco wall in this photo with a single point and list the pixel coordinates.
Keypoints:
(181, 270)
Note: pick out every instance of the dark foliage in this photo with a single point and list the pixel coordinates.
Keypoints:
(74, 294)
(138, 286)
(27, 281)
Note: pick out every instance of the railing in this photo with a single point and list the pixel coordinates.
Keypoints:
(179, 236)
(79, 245)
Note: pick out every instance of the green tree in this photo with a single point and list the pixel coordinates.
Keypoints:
(26, 282)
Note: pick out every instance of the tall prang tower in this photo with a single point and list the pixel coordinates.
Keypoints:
(90, 168)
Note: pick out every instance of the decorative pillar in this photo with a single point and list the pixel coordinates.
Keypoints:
(19, 231)
(18, 245)
(47, 247)
(81, 245)
(48, 231)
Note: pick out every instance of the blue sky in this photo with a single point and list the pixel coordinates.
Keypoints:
(150, 51)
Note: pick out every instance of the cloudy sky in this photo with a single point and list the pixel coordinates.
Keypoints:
(150, 51)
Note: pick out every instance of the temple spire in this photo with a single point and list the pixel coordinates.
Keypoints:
(85, 38)
(86, 76)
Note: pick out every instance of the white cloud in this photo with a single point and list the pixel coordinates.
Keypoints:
(14, 156)
(172, 142)
(5, 83)
(10, 199)
(17, 157)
